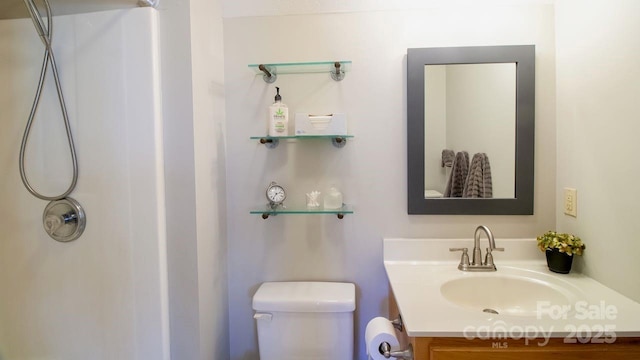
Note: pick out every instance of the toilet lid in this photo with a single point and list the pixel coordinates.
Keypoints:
(305, 297)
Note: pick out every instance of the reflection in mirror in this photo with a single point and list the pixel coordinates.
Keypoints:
(470, 107)
(448, 109)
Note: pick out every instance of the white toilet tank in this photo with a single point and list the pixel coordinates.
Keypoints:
(305, 320)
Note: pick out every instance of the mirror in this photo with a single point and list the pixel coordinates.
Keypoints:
(467, 106)
(478, 100)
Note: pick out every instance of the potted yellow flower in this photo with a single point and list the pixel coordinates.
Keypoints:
(559, 249)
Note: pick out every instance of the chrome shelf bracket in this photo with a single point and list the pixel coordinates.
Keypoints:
(270, 75)
(338, 74)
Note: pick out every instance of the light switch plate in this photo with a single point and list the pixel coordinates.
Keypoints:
(570, 202)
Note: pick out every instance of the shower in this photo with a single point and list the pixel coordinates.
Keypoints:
(64, 218)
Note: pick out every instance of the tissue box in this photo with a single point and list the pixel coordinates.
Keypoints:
(332, 124)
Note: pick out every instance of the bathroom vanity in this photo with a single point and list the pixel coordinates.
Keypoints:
(520, 311)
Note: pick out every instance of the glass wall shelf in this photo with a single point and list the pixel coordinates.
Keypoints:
(273, 141)
(303, 67)
(266, 211)
(270, 72)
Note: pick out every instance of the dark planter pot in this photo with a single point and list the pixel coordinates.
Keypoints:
(558, 262)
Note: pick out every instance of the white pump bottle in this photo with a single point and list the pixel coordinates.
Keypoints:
(278, 117)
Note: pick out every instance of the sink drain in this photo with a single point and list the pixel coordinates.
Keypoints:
(490, 311)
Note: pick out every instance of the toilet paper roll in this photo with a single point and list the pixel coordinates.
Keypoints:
(380, 330)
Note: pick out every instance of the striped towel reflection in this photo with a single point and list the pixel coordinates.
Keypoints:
(458, 176)
(447, 158)
(478, 183)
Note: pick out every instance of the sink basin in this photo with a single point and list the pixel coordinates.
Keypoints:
(506, 294)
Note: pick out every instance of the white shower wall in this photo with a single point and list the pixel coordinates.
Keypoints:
(103, 296)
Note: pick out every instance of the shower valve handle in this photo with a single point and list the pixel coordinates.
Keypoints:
(53, 223)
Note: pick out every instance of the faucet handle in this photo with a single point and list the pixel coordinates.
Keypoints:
(488, 259)
(464, 260)
(464, 250)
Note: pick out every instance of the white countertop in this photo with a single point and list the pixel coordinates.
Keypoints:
(416, 268)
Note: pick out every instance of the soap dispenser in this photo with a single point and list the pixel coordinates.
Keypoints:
(278, 117)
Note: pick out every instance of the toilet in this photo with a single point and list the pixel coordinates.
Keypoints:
(305, 320)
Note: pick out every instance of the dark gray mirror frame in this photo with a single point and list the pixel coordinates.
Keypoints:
(524, 57)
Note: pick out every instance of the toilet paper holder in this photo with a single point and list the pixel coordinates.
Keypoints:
(385, 350)
(397, 323)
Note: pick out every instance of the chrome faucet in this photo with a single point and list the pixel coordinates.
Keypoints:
(477, 264)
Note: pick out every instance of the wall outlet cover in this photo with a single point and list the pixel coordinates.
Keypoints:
(570, 202)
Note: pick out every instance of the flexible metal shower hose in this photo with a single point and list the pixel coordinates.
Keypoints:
(45, 33)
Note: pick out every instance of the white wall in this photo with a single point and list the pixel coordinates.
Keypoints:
(182, 246)
(104, 295)
(240, 8)
(435, 89)
(193, 112)
(371, 169)
(208, 130)
(598, 88)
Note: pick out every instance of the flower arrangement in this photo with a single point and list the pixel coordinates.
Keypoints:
(565, 243)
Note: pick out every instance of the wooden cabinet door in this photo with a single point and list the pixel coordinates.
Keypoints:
(463, 349)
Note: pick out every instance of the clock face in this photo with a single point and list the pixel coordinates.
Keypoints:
(276, 194)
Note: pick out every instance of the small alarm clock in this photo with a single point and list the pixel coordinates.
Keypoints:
(275, 194)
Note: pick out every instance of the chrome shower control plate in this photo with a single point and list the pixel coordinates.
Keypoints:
(64, 220)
